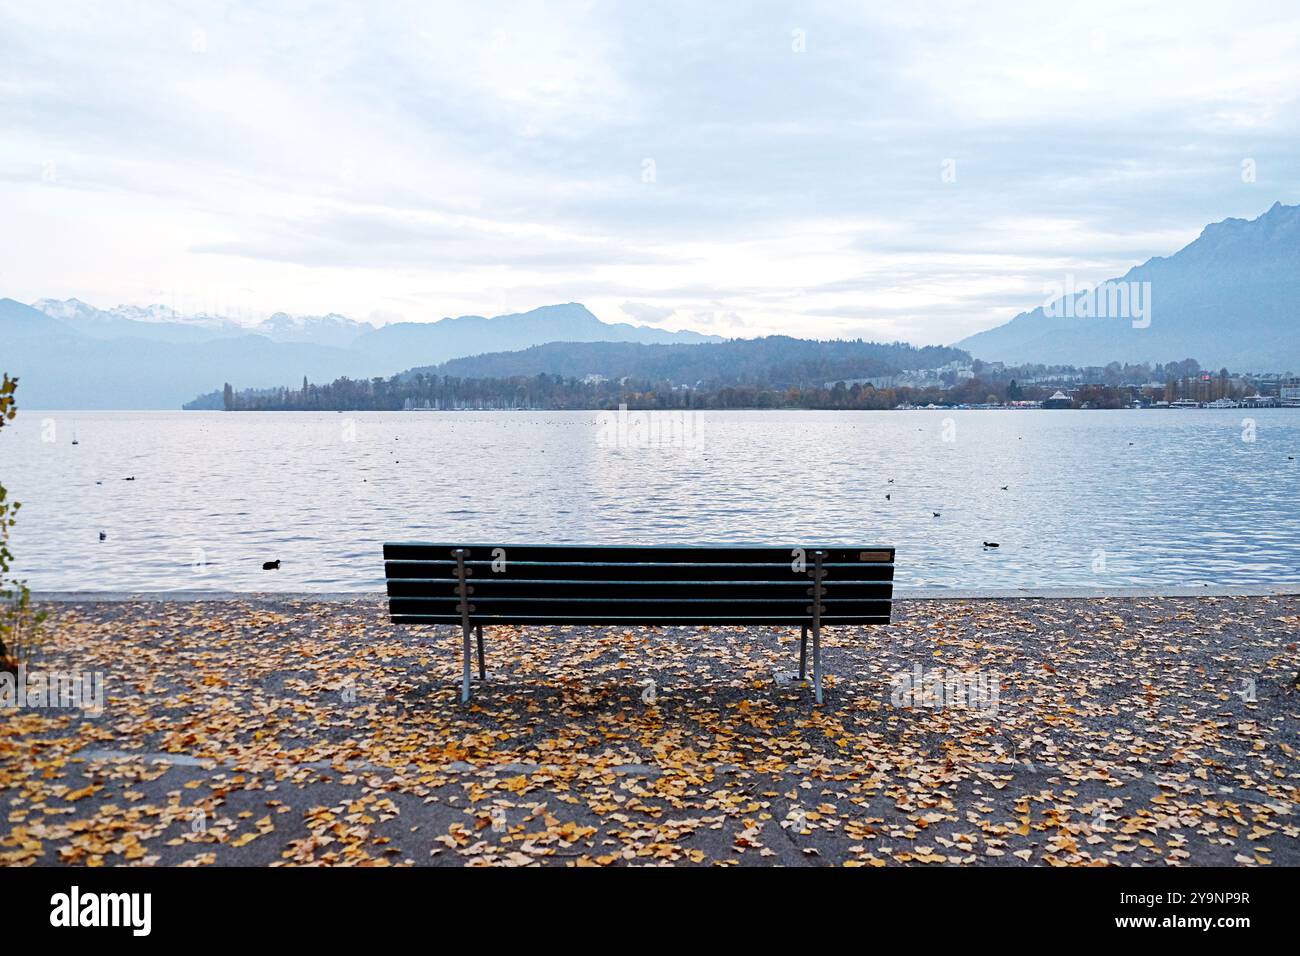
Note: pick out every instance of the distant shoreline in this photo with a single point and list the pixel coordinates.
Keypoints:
(31, 412)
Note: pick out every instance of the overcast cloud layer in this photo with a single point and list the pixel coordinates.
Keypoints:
(872, 170)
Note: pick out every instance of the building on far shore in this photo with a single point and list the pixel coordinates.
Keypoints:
(1288, 391)
(1260, 401)
(1058, 400)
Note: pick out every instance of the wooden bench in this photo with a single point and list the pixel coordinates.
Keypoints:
(471, 585)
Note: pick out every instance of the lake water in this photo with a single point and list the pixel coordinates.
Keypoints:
(1093, 499)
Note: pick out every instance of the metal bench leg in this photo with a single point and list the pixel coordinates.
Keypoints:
(465, 609)
(464, 684)
(482, 667)
(803, 651)
(817, 661)
(818, 575)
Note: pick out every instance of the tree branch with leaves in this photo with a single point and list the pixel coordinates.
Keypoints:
(17, 622)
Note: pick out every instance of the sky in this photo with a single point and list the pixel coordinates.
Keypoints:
(915, 171)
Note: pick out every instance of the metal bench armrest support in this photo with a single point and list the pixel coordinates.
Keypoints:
(464, 590)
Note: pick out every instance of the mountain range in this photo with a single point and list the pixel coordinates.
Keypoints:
(69, 354)
(1231, 298)
(1228, 299)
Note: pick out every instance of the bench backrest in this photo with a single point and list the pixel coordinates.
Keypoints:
(618, 584)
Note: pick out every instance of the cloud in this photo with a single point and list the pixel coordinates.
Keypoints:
(647, 314)
(490, 158)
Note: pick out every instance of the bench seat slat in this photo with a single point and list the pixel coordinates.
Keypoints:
(437, 571)
(746, 554)
(442, 583)
(597, 619)
(580, 607)
(644, 590)
(786, 563)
